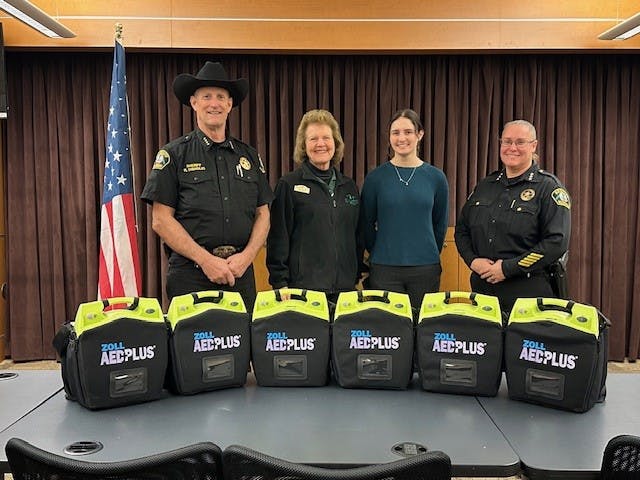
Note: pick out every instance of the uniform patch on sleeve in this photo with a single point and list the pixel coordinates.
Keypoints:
(561, 197)
(530, 259)
(162, 160)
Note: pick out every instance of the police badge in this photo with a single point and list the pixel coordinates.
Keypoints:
(244, 163)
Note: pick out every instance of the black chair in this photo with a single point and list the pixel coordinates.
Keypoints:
(202, 461)
(241, 463)
(621, 459)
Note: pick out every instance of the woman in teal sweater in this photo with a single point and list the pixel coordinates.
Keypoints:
(404, 215)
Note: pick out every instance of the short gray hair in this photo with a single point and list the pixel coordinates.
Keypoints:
(523, 123)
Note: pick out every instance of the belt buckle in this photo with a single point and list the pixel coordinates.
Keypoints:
(224, 251)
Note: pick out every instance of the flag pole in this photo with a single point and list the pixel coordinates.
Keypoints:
(119, 38)
(119, 260)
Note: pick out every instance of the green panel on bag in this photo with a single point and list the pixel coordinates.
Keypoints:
(192, 304)
(92, 314)
(583, 318)
(435, 305)
(394, 303)
(267, 305)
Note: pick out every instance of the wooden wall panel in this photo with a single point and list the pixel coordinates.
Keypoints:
(3, 302)
(3, 183)
(333, 25)
(409, 9)
(3, 248)
(260, 271)
(455, 273)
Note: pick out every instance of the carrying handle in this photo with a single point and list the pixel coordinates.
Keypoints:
(471, 296)
(566, 309)
(293, 296)
(131, 301)
(384, 298)
(208, 298)
(603, 321)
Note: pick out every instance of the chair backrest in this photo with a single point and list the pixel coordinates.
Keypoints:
(621, 459)
(202, 461)
(241, 462)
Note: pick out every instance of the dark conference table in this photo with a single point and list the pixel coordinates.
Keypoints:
(334, 426)
(553, 444)
(21, 391)
(323, 426)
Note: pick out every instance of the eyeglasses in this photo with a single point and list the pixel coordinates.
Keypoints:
(519, 143)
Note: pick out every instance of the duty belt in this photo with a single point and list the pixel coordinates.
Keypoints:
(225, 251)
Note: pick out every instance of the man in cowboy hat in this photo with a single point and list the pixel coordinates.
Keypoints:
(209, 193)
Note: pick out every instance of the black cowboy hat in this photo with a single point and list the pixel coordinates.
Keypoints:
(211, 75)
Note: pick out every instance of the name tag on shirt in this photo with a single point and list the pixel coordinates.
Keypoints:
(302, 189)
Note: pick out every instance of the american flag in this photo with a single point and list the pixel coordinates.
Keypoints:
(119, 273)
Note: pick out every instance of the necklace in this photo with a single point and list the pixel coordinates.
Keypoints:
(406, 182)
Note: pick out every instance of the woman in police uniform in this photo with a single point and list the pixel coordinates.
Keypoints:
(516, 224)
(314, 217)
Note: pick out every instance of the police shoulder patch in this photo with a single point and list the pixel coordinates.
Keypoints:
(162, 160)
(561, 197)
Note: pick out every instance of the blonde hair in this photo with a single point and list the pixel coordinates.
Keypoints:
(322, 117)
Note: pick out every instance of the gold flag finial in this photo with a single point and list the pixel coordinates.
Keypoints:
(118, 31)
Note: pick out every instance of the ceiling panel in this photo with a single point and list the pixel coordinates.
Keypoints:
(333, 25)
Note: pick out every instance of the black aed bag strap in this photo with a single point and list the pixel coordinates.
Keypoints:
(567, 309)
(132, 302)
(207, 299)
(294, 296)
(470, 296)
(384, 298)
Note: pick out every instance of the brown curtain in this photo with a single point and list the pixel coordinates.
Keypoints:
(586, 109)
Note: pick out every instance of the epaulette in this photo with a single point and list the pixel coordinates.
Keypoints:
(549, 174)
(246, 146)
(495, 175)
(178, 141)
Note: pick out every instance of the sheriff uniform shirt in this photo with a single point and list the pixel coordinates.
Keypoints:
(214, 188)
(526, 221)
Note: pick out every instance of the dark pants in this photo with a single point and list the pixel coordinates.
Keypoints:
(507, 291)
(413, 280)
(185, 277)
